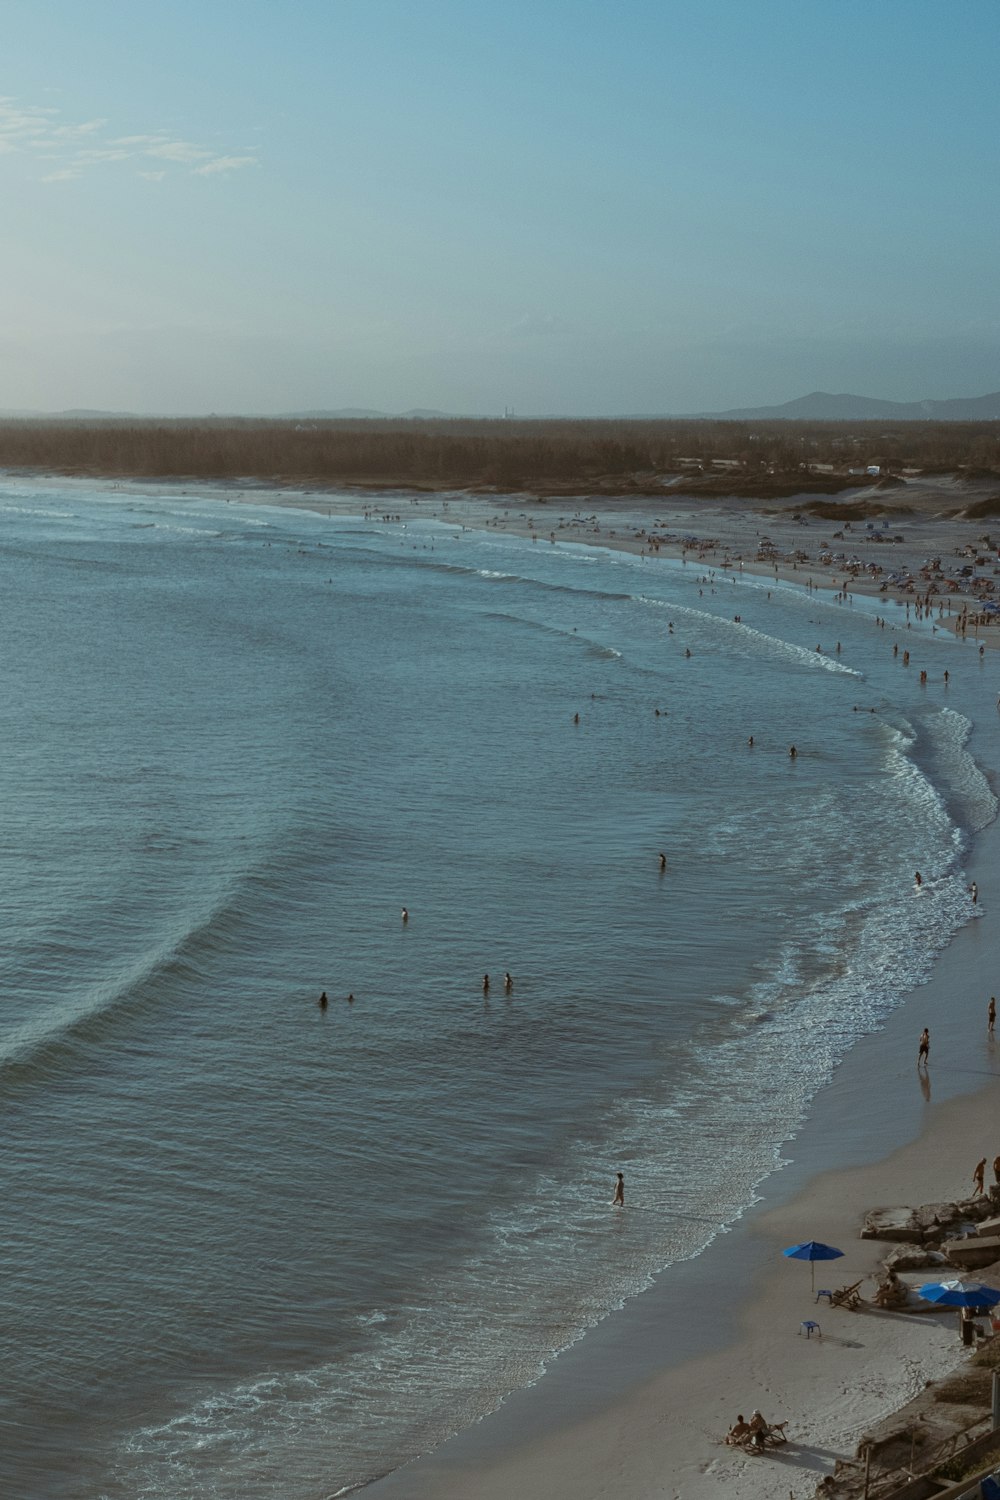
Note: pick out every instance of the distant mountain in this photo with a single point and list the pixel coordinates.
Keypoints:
(344, 414)
(360, 413)
(77, 414)
(820, 406)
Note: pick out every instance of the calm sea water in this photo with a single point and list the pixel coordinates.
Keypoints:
(252, 1249)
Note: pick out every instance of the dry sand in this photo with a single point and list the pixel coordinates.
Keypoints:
(926, 516)
(639, 1407)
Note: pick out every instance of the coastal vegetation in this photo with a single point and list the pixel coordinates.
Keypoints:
(768, 459)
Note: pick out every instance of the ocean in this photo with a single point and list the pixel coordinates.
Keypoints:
(258, 1250)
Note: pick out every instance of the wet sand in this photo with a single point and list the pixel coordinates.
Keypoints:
(640, 1406)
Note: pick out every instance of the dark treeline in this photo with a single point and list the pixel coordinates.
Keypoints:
(466, 452)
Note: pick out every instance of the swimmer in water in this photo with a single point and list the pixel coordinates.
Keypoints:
(323, 1001)
(350, 999)
(918, 879)
(792, 751)
(508, 982)
(618, 1201)
(405, 915)
(663, 862)
(486, 984)
(750, 741)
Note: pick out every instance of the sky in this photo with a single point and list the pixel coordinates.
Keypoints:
(559, 207)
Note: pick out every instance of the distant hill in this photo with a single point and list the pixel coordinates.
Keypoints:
(820, 406)
(343, 414)
(359, 413)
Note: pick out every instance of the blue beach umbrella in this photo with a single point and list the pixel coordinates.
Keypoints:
(812, 1251)
(957, 1293)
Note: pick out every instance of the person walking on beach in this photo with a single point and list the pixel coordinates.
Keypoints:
(923, 1052)
(618, 1201)
(974, 893)
(996, 1169)
(977, 1176)
(991, 1015)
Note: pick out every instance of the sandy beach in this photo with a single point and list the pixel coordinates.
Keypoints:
(890, 556)
(640, 1406)
(725, 1329)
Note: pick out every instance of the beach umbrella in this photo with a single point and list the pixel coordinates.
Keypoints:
(812, 1251)
(957, 1293)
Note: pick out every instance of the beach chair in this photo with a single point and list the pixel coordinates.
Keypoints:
(891, 1293)
(758, 1442)
(847, 1296)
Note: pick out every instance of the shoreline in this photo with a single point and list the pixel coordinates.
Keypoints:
(721, 533)
(639, 1406)
(595, 1423)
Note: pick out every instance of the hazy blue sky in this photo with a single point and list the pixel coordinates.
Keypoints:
(559, 206)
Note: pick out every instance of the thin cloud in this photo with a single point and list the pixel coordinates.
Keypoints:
(177, 151)
(38, 133)
(71, 132)
(225, 164)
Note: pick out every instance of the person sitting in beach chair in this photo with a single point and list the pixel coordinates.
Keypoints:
(757, 1432)
(847, 1296)
(891, 1292)
(762, 1434)
(739, 1431)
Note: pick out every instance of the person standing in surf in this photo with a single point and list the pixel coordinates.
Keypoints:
(618, 1201)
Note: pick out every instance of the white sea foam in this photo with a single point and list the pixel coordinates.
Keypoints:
(397, 735)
